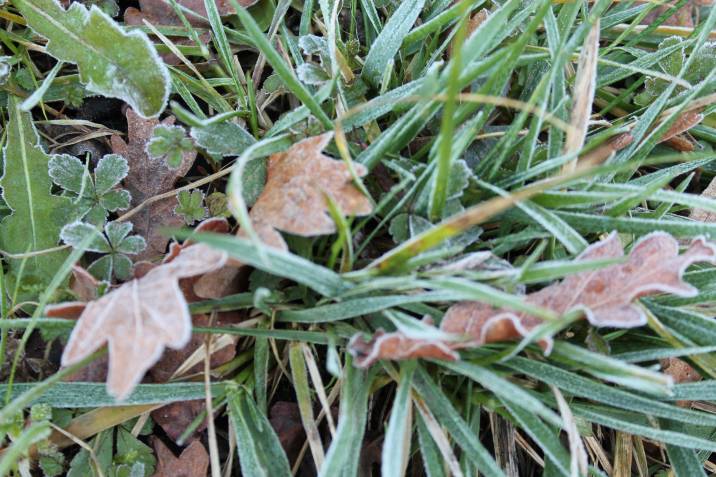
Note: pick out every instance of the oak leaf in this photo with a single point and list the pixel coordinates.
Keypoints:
(606, 296)
(140, 318)
(298, 181)
(192, 462)
(148, 177)
(294, 200)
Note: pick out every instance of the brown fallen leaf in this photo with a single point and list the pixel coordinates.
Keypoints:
(704, 215)
(148, 177)
(294, 201)
(285, 418)
(606, 296)
(192, 462)
(298, 181)
(683, 17)
(140, 318)
(680, 370)
(160, 12)
(225, 281)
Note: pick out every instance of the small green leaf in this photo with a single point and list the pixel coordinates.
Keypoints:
(131, 451)
(111, 61)
(191, 206)
(222, 139)
(169, 143)
(218, 205)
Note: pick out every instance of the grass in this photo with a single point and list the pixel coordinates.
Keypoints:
(463, 129)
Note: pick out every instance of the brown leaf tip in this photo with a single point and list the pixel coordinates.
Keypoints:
(397, 346)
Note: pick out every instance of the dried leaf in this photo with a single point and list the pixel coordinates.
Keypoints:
(192, 462)
(148, 177)
(160, 12)
(704, 215)
(584, 87)
(286, 422)
(293, 199)
(606, 296)
(140, 318)
(674, 136)
(684, 16)
(680, 370)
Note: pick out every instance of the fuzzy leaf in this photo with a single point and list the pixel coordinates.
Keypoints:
(191, 206)
(94, 195)
(294, 198)
(115, 242)
(606, 297)
(37, 215)
(73, 234)
(111, 61)
(223, 139)
(140, 318)
(169, 143)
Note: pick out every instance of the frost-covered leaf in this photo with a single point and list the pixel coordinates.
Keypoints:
(5, 68)
(458, 181)
(223, 139)
(111, 61)
(37, 215)
(74, 234)
(218, 205)
(312, 74)
(169, 143)
(605, 296)
(192, 462)
(191, 206)
(115, 242)
(298, 181)
(148, 177)
(94, 195)
(160, 12)
(698, 70)
(140, 318)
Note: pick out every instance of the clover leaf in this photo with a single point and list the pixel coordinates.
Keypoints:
(169, 143)
(97, 194)
(115, 243)
(191, 206)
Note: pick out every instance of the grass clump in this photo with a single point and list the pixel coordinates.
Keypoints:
(471, 151)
